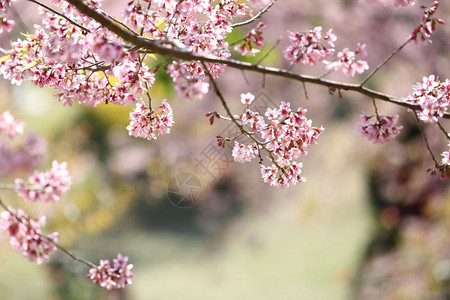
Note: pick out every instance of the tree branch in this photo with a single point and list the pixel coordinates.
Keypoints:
(166, 48)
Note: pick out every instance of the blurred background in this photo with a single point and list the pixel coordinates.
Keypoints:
(369, 222)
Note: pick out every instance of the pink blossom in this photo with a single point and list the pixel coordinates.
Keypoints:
(433, 97)
(112, 277)
(247, 98)
(10, 126)
(6, 24)
(26, 236)
(443, 168)
(307, 47)
(348, 63)
(148, 124)
(285, 136)
(422, 33)
(46, 186)
(253, 38)
(379, 129)
(244, 153)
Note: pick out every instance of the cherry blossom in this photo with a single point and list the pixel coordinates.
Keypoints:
(307, 47)
(6, 24)
(422, 33)
(444, 167)
(110, 277)
(379, 128)
(283, 134)
(247, 98)
(244, 153)
(348, 63)
(253, 38)
(46, 186)
(148, 124)
(26, 236)
(433, 97)
(10, 126)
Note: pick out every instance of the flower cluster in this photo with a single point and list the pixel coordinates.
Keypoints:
(433, 97)
(306, 47)
(46, 186)
(253, 38)
(112, 277)
(348, 63)
(379, 128)
(25, 235)
(148, 124)
(91, 65)
(422, 33)
(196, 26)
(244, 153)
(284, 134)
(10, 126)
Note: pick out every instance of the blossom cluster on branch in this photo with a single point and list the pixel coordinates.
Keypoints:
(26, 233)
(110, 277)
(284, 134)
(92, 58)
(379, 128)
(433, 97)
(46, 186)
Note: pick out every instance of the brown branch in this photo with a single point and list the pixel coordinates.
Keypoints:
(443, 130)
(167, 49)
(60, 248)
(422, 132)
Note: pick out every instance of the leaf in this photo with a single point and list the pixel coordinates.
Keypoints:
(30, 36)
(4, 58)
(113, 80)
(160, 23)
(29, 65)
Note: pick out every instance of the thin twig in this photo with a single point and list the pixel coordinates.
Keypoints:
(15, 187)
(258, 15)
(386, 60)
(305, 90)
(443, 130)
(425, 138)
(241, 128)
(376, 108)
(61, 15)
(268, 52)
